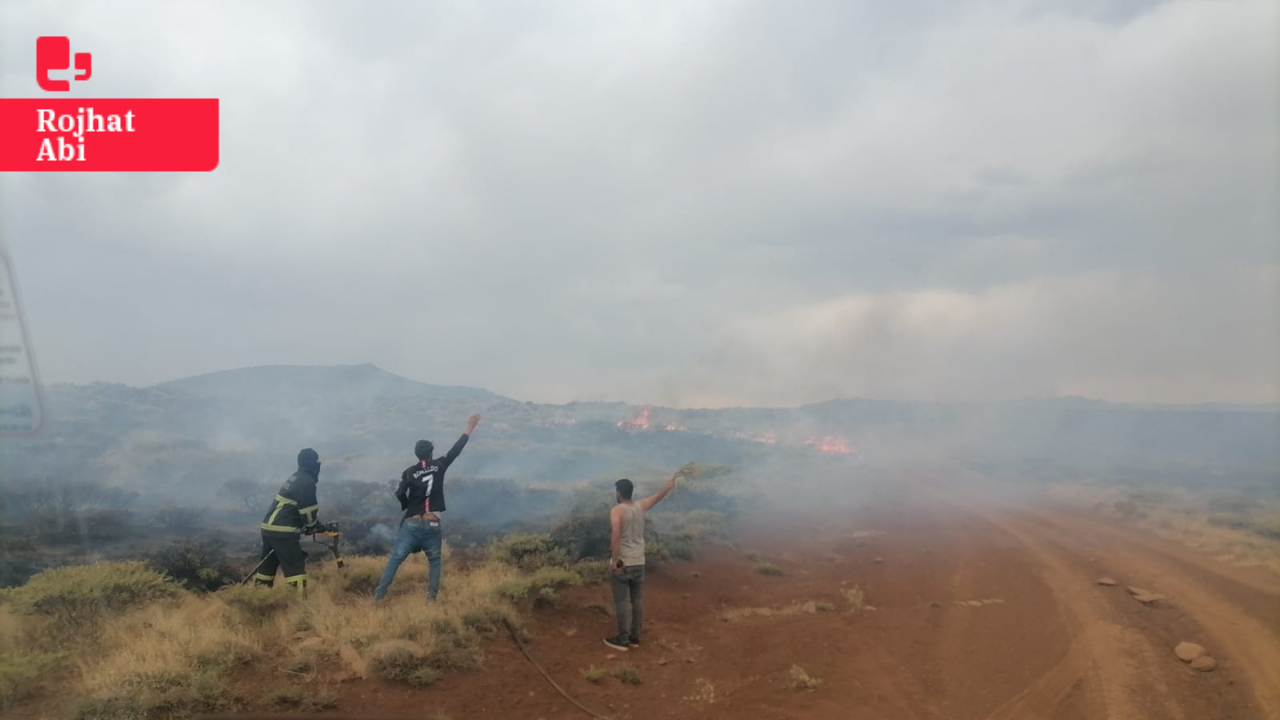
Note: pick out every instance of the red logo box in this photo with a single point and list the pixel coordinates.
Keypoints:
(83, 135)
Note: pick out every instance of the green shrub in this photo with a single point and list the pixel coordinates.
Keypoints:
(423, 677)
(584, 532)
(300, 699)
(680, 546)
(528, 552)
(80, 594)
(822, 606)
(1125, 507)
(53, 527)
(488, 619)
(10, 544)
(161, 697)
(199, 565)
(628, 675)
(452, 656)
(17, 673)
(592, 571)
(1269, 530)
(698, 524)
(530, 586)
(298, 666)
(397, 664)
(1232, 502)
(766, 568)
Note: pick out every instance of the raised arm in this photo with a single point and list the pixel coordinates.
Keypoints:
(456, 450)
(653, 499)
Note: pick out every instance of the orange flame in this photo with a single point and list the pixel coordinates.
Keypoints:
(639, 422)
(830, 444)
(643, 421)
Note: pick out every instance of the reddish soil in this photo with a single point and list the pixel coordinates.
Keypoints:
(1048, 643)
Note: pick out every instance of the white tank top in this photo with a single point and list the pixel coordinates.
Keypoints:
(632, 550)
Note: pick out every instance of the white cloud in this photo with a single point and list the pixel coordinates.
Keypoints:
(587, 195)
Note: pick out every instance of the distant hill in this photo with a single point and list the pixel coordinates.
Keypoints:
(286, 382)
(178, 440)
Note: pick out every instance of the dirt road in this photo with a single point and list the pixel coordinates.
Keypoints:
(973, 612)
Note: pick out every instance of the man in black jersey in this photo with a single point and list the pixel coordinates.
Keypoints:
(421, 496)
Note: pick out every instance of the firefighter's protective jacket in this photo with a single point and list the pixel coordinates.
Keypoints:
(295, 508)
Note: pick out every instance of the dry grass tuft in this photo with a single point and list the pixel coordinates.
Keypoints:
(595, 674)
(855, 597)
(799, 679)
(705, 692)
(805, 608)
(627, 674)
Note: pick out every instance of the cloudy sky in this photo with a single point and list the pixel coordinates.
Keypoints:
(692, 203)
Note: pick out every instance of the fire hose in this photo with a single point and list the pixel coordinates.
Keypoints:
(515, 635)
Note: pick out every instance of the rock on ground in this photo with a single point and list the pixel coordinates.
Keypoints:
(1188, 651)
(1139, 591)
(1204, 663)
(1106, 581)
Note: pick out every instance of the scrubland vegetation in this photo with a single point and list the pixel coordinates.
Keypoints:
(1237, 527)
(171, 633)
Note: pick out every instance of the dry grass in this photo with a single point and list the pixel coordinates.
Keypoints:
(705, 692)
(187, 636)
(173, 642)
(805, 608)
(595, 674)
(855, 597)
(168, 652)
(799, 679)
(1201, 520)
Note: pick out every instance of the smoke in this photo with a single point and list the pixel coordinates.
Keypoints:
(1209, 337)
(382, 533)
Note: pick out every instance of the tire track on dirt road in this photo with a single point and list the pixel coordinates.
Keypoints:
(1240, 630)
(1105, 660)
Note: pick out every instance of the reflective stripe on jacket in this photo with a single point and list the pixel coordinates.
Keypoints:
(294, 508)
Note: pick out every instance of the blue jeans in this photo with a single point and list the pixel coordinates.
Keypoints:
(415, 535)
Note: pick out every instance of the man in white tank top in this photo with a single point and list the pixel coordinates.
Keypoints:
(626, 559)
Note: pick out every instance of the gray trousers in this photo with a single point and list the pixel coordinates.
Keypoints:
(628, 601)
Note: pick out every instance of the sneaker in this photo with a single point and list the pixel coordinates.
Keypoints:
(633, 642)
(617, 643)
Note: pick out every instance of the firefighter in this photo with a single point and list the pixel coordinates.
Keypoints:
(292, 514)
